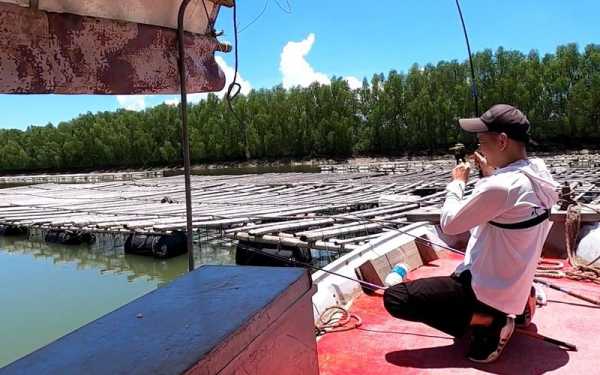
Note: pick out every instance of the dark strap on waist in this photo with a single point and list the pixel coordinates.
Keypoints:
(524, 224)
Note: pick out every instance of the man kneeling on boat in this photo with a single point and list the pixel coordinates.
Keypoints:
(506, 215)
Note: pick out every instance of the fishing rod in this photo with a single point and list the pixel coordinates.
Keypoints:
(392, 225)
(461, 153)
(567, 291)
(473, 81)
(547, 339)
(388, 224)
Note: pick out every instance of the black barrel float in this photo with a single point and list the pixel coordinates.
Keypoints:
(12, 230)
(259, 254)
(69, 237)
(156, 245)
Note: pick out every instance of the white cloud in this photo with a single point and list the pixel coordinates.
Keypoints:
(132, 102)
(246, 87)
(353, 82)
(295, 69)
(173, 101)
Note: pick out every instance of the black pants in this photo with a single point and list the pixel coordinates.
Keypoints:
(446, 303)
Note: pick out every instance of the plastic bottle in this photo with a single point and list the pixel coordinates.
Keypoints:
(396, 275)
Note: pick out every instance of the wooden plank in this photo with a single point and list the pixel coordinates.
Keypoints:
(293, 242)
(289, 226)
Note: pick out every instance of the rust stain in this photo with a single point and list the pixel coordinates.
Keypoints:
(70, 54)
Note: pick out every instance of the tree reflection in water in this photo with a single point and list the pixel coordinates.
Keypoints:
(110, 257)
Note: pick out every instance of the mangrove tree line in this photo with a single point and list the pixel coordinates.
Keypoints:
(411, 112)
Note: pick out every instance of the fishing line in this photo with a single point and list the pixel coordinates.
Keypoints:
(255, 18)
(366, 284)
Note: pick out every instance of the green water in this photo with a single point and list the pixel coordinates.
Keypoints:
(48, 290)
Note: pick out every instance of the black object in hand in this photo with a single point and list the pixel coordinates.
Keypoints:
(460, 153)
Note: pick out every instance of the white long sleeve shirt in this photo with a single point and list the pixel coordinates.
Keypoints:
(502, 261)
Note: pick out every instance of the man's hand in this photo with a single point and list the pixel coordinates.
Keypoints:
(461, 172)
(481, 163)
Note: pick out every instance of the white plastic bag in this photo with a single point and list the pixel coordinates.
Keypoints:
(589, 243)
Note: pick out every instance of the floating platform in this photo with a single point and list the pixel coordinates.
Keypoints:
(76, 178)
(329, 212)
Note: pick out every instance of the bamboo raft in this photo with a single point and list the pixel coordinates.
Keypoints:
(582, 159)
(79, 177)
(324, 211)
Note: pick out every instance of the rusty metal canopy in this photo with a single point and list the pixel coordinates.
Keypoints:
(149, 12)
(106, 46)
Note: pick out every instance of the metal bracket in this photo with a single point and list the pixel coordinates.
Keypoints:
(227, 3)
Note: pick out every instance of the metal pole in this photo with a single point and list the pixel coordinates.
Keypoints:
(550, 340)
(567, 291)
(184, 135)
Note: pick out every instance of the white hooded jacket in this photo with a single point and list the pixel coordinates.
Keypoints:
(502, 261)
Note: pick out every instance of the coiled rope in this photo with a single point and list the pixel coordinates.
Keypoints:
(336, 319)
(579, 270)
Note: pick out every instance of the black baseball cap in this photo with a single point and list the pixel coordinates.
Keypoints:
(501, 118)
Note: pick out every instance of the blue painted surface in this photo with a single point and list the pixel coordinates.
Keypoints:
(168, 330)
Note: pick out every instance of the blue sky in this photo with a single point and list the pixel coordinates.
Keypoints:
(298, 41)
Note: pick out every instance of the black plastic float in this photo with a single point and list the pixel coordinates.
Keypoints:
(245, 256)
(69, 237)
(156, 245)
(13, 230)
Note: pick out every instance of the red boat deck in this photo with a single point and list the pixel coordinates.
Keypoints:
(385, 345)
